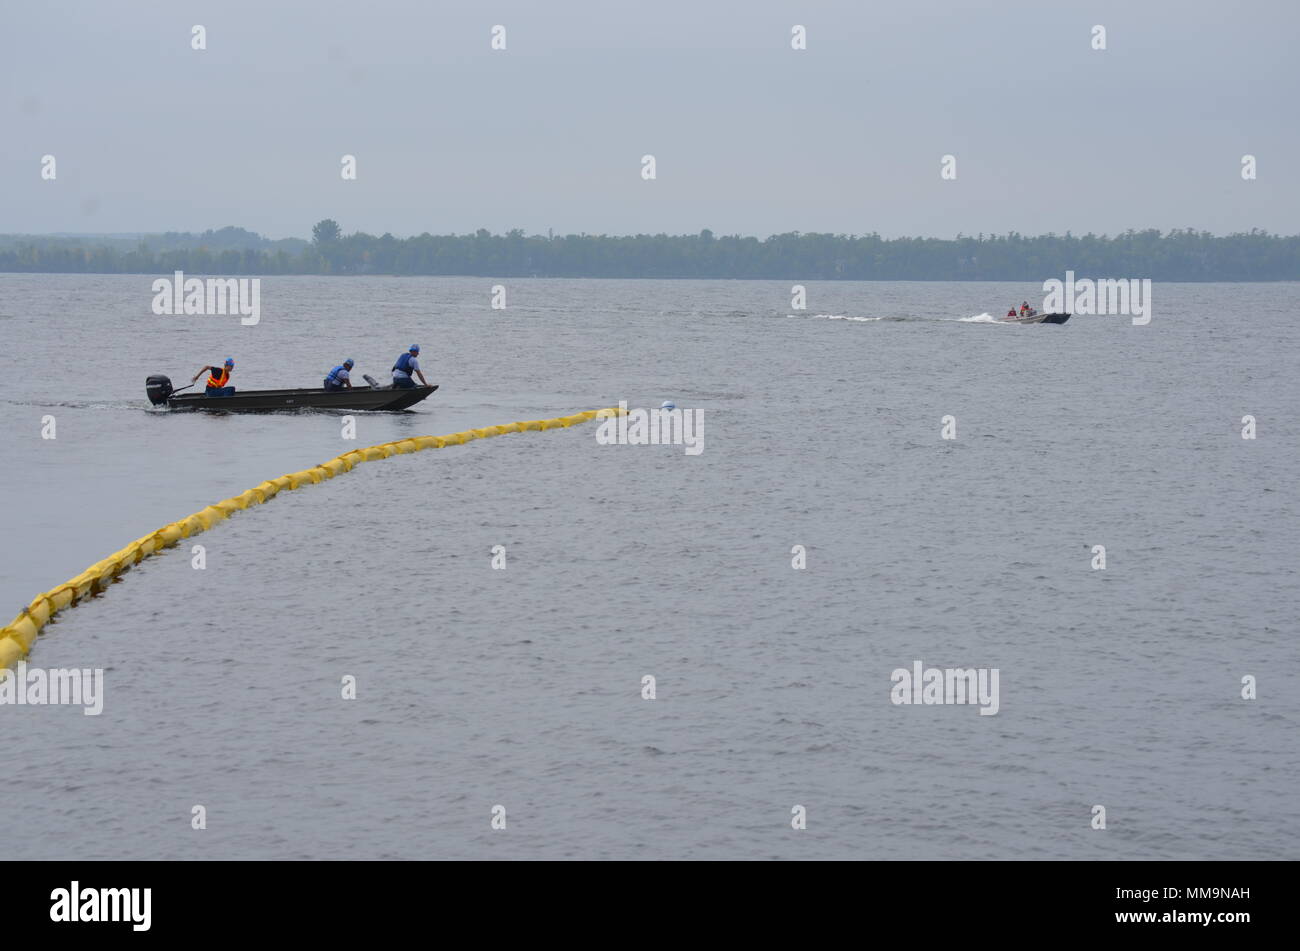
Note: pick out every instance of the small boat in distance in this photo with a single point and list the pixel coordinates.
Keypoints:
(1037, 319)
(160, 393)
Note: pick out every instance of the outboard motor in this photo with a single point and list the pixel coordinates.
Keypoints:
(158, 388)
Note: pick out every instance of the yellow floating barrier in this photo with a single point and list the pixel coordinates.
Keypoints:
(17, 637)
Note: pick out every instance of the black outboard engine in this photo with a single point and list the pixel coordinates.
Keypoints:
(158, 389)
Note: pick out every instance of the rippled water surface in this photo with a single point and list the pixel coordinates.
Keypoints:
(478, 687)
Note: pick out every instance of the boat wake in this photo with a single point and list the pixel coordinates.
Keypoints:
(66, 404)
(911, 318)
(864, 320)
(837, 317)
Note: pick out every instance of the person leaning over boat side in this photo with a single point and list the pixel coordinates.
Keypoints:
(339, 378)
(406, 365)
(217, 379)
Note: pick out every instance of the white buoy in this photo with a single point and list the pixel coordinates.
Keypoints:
(667, 404)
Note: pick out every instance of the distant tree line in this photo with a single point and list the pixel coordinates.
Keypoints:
(1179, 255)
(220, 240)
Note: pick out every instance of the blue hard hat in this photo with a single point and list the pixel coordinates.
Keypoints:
(415, 348)
(230, 361)
(349, 362)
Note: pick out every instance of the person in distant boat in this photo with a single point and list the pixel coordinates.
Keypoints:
(340, 377)
(1011, 312)
(1024, 308)
(406, 365)
(217, 379)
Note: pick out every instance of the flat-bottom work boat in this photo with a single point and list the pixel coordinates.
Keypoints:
(160, 393)
(1037, 319)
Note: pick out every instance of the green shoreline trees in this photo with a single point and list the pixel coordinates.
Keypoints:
(1179, 255)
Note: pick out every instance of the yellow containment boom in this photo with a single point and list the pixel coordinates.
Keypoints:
(17, 638)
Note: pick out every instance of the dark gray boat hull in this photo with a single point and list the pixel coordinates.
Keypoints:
(272, 401)
(1038, 319)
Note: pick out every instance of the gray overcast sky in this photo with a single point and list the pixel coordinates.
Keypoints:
(749, 135)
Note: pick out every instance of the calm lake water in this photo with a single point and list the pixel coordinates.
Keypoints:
(522, 687)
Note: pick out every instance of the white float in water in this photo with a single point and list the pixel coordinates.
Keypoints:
(667, 404)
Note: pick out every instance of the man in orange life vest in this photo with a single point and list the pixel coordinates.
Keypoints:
(218, 379)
